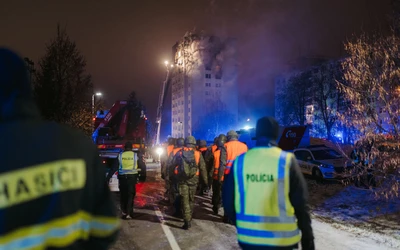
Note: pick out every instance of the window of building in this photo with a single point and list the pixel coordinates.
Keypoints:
(189, 110)
(208, 84)
(218, 85)
(207, 93)
(208, 76)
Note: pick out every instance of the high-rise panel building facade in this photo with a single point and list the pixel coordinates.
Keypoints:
(204, 86)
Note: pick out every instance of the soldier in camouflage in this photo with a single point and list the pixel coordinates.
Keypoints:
(187, 188)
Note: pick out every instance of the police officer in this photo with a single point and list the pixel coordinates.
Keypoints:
(127, 178)
(57, 188)
(266, 195)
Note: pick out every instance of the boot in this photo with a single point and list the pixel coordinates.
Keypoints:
(215, 210)
(187, 225)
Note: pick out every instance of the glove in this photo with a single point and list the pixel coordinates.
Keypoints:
(307, 244)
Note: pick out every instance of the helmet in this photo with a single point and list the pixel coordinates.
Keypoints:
(215, 140)
(190, 141)
(232, 135)
(180, 142)
(128, 145)
(221, 140)
(203, 143)
(267, 127)
(171, 141)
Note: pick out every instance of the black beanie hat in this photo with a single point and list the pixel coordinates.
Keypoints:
(267, 127)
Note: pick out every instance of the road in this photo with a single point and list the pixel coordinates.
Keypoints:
(153, 227)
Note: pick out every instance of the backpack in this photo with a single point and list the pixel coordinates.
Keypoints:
(186, 167)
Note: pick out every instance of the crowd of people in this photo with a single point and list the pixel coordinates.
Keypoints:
(59, 179)
(262, 190)
(213, 163)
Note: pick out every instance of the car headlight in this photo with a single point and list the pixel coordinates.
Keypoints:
(327, 166)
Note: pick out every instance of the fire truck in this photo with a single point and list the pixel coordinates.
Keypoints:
(123, 122)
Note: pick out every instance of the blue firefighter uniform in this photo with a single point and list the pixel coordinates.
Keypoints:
(53, 193)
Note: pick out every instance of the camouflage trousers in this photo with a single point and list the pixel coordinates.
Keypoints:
(216, 199)
(167, 188)
(187, 194)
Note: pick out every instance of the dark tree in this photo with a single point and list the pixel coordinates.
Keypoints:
(292, 99)
(63, 89)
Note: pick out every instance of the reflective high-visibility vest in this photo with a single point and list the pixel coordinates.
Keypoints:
(233, 150)
(264, 213)
(196, 159)
(127, 163)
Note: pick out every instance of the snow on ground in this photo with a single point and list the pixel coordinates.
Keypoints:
(329, 237)
(344, 218)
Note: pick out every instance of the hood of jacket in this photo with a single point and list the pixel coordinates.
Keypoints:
(16, 95)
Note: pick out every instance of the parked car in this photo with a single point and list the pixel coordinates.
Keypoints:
(323, 162)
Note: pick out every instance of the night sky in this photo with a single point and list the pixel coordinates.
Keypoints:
(126, 42)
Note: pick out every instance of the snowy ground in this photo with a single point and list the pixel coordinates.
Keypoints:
(153, 227)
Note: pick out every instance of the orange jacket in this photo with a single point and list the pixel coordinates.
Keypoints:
(170, 148)
(196, 158)
(217, 155)
(233, 150)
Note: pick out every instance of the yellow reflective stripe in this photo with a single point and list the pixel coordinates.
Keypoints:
(60, 232)
(33, 182)
(105, 226)
(289, 241)
(267, 226)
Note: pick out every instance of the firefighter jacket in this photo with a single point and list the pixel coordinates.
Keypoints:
(53, 192)
(201, 172)
(266, 196)
(128, 163)
(234, 148)
(219, 163)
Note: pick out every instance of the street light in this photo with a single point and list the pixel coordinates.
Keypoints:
(166, 63)
(95, 94)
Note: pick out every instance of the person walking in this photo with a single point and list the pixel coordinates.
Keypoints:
(127, 178)
(189, 166)
(53, 192)
(219, 163)
(174, 189)
(266, 196)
